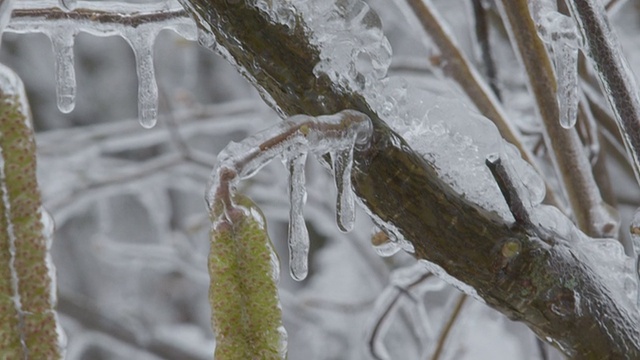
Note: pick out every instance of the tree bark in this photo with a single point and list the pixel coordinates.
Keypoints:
(547, 283)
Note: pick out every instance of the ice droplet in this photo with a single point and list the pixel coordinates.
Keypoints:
(298, 234)
(345, 207)
(141, 41)
(62, 43)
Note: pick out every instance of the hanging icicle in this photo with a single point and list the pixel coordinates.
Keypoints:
(298, 234)
(141, 41)
(62, 42)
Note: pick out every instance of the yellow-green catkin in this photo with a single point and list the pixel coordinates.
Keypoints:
(22, 230)
(245, 311)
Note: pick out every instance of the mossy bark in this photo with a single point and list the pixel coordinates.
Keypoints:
(550, 288)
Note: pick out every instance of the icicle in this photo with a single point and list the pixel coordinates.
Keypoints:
(62, 42)
(560, 32)
(67, 5)
(298, 235)
(345, 207)
(141, 41)
(635, 240)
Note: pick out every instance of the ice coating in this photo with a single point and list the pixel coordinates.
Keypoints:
(456, 140)
(62, 43)
(142, 44)
(561, 34)
(345, 206)
(298, 234)
(293, 139)
(353, 49)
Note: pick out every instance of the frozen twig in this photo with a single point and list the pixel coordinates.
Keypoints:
(505, 180)
(617, 81)
(482, 36)
(568, 155)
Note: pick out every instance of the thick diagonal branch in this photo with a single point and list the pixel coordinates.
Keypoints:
(400, 188)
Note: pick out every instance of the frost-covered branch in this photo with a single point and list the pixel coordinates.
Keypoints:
(554, 285)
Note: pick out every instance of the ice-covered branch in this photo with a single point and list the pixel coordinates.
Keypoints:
(555, 288)
(137, 24)
(28, 295)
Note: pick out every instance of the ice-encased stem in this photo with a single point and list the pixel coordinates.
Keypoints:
(62, 43)
(345, 205)
(615, 76)
(141, 41)
(298, 234)
(24, 227)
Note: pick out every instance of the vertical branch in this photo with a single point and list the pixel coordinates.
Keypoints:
(570, 160)
(615, 76)
(482, 35)
(25, 228)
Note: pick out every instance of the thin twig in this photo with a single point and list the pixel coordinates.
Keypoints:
(97, 18)
(482, 35)
(444, 335)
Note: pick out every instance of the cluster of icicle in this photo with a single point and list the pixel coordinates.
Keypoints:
(39, 16)
(336, 135)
